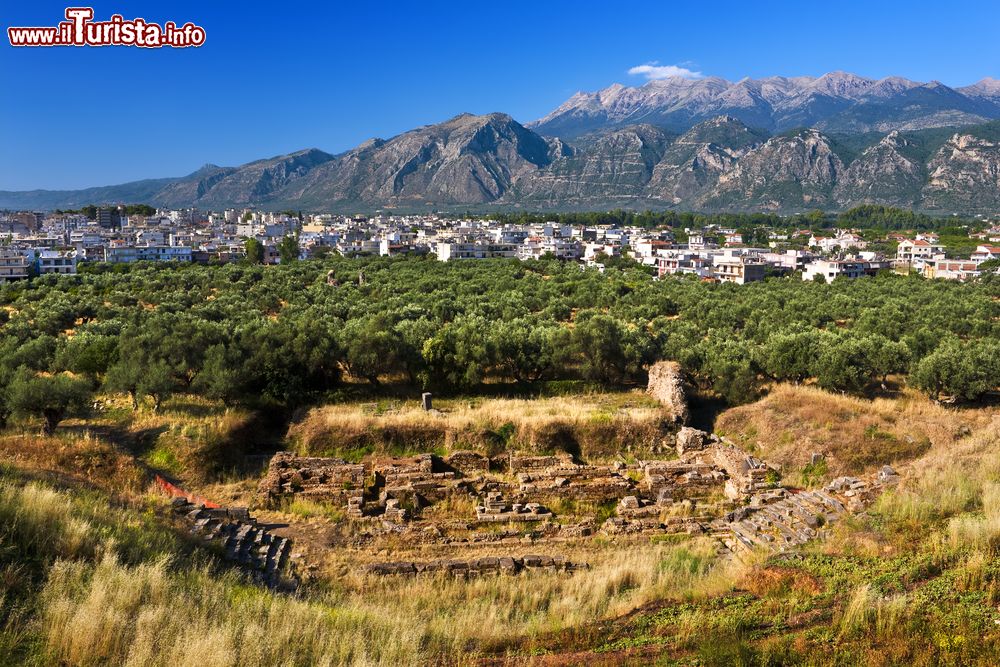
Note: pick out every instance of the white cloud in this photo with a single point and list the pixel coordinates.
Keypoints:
(655, 70)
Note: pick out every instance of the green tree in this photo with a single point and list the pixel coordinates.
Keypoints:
(612, 352)
(962, 370)
(52, 397)
(791, 356)
(888, 357)
(87, 353)
(254, 251)
(459, 355)
(527, 351)
(730, 367)
(370, 349)
(223, 375)
(844, 363)
(288, 249)
(139, 373)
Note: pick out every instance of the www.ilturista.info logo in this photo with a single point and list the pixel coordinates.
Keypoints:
(79, 29)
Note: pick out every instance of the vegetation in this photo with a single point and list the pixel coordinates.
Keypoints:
(863, 217)
(127, 209)
(113, 586)
(282, 336)
(167, 366)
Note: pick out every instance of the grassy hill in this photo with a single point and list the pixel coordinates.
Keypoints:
(93, 570)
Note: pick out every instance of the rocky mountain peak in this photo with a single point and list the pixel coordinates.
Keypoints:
(837, 101)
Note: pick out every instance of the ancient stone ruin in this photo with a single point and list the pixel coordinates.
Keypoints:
(712, 488)
(783, 519)
(666, 384)
(327, 479)
(496, 509)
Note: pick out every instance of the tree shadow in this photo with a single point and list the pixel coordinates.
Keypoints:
(136, 443)
(704, 409)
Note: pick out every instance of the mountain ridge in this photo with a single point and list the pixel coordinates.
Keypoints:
(834, 102)
(491, 161)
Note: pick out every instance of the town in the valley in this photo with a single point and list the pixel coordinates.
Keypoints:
(33, 243)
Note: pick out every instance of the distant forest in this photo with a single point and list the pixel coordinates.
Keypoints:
(868, 216)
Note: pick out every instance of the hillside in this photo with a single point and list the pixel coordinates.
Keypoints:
(910, 580)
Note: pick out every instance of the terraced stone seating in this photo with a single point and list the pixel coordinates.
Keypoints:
(478, 566)
(242, 541)
(786, 521)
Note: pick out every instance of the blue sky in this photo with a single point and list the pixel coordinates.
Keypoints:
(276, 77)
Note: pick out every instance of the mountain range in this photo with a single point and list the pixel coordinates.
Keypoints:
(835, 102)
(776, 144)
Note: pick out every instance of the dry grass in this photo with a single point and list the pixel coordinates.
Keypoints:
(593, 426)
(152, 613)
(77, 453)
(97, 610)
(952, 479)
(855, 434)
(867, 613)
(155, 609)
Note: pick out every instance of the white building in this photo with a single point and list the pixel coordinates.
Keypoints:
(831, 269)
(60, 262)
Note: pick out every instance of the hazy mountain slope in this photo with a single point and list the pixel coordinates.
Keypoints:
(136, 191)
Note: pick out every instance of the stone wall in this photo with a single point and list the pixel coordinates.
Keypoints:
(671, 481)
(468, 464)
(325, 479)
(577, 482)
(519, 463)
